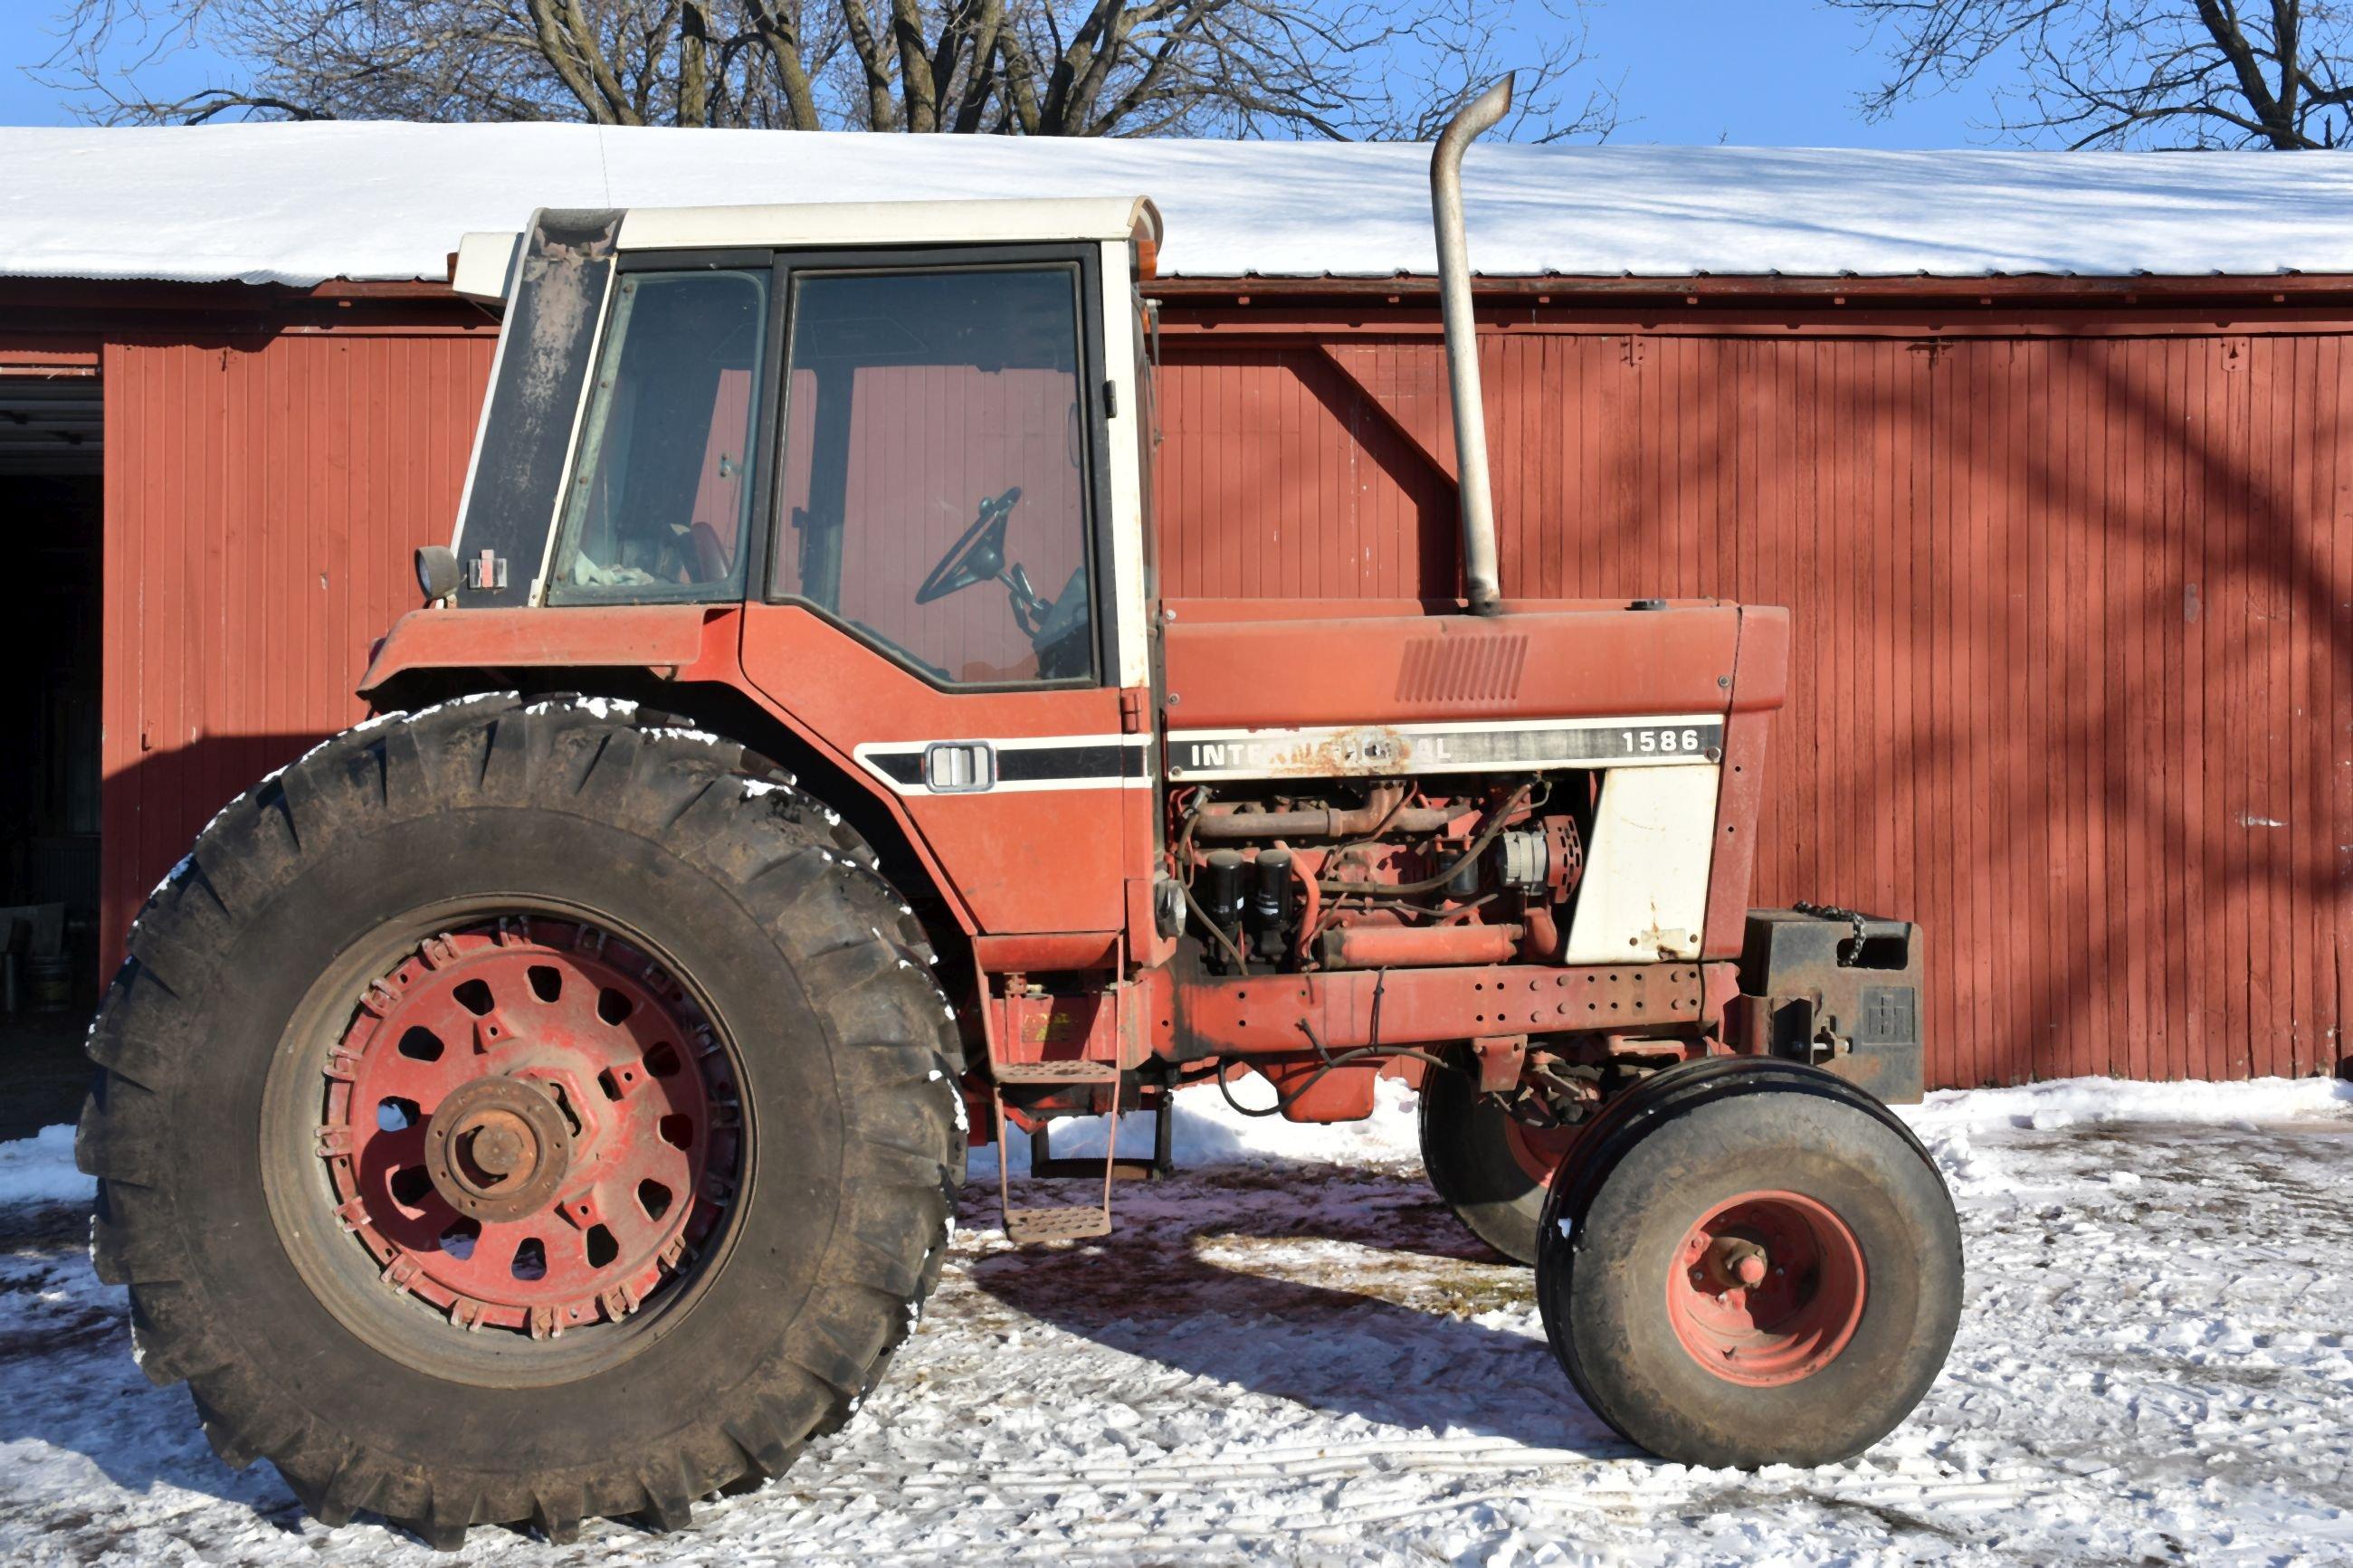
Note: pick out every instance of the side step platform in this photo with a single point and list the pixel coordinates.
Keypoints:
(1068, 1221)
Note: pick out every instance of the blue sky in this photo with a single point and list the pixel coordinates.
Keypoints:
(1752, 72)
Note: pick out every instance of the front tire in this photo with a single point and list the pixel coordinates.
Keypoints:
(1751, 1263)
(697, 1138)
(1488, 1168)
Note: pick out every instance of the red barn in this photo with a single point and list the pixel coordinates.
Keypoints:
(2041, 450)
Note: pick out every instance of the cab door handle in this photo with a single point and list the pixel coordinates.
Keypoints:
(959, 767)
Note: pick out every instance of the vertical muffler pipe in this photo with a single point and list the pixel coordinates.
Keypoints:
(1479, 572)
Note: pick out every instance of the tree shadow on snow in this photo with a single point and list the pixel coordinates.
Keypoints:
(1231, 1277)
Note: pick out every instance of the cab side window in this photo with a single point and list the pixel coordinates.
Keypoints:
(662, 489)
(935, 474)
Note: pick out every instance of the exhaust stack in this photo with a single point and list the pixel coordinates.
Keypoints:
(1479, 572)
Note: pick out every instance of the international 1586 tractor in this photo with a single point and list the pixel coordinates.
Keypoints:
(549, 1098)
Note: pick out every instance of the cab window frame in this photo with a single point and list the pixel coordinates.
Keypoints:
(751, 557)
(771, 542)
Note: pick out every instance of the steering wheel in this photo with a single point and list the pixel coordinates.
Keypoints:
(977, 556)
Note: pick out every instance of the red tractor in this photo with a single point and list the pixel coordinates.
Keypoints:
(549, 1099)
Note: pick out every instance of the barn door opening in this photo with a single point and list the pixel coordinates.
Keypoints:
(50, 430)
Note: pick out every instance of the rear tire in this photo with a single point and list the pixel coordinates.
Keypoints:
(781, 992)
(1751, 1263)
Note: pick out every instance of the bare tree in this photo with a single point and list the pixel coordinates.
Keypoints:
(2129, 73)
(1040, 68)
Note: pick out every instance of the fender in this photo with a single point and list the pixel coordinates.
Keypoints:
(686, 644)
(671, 642)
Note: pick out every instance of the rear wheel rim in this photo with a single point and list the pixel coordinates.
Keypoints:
(530, 1127)
(1766, 1289)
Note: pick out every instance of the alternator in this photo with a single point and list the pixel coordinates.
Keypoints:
(1523, 860)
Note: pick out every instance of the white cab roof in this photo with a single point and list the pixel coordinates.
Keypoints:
(1040, 221)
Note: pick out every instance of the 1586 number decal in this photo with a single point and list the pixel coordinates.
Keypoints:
(1661, 742)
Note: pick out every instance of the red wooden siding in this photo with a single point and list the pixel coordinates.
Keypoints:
(2074, 673)
(1278, 478)
(723, 493)
(2073, 681)
(262, 502)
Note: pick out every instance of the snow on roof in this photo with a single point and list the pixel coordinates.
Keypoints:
(302, 203)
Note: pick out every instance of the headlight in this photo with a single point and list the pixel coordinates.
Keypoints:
(437, 570)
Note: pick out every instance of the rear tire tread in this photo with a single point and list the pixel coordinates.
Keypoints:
(749, 824)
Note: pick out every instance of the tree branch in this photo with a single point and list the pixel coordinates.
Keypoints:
(1089, 68)
(2109, 73)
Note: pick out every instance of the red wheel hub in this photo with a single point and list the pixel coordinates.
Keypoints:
(530, 1125)
(1766, 1289)
(1538, 1151)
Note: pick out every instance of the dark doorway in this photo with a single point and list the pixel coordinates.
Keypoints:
(51, 522)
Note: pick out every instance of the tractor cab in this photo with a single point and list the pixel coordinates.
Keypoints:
(882, 468)
(928, 398)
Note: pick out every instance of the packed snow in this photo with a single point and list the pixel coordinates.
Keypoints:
(40, 1170)
(302, 203)
(1289, 1353)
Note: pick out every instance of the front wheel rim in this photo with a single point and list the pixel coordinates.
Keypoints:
(1766, 1289)
(1538, 1151)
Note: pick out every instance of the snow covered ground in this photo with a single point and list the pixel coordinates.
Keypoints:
(1291, 1353)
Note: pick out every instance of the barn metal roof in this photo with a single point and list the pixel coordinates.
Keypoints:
(301, 203)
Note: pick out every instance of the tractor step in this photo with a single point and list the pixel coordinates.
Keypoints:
(1067, 1224)
(1090, 1169)
(1070, 1222)
(1054, 1072)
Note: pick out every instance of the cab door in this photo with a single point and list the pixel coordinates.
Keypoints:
(940, 605)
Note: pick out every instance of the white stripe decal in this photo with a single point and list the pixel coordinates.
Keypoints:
(1365, 750)
(1020, 763)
